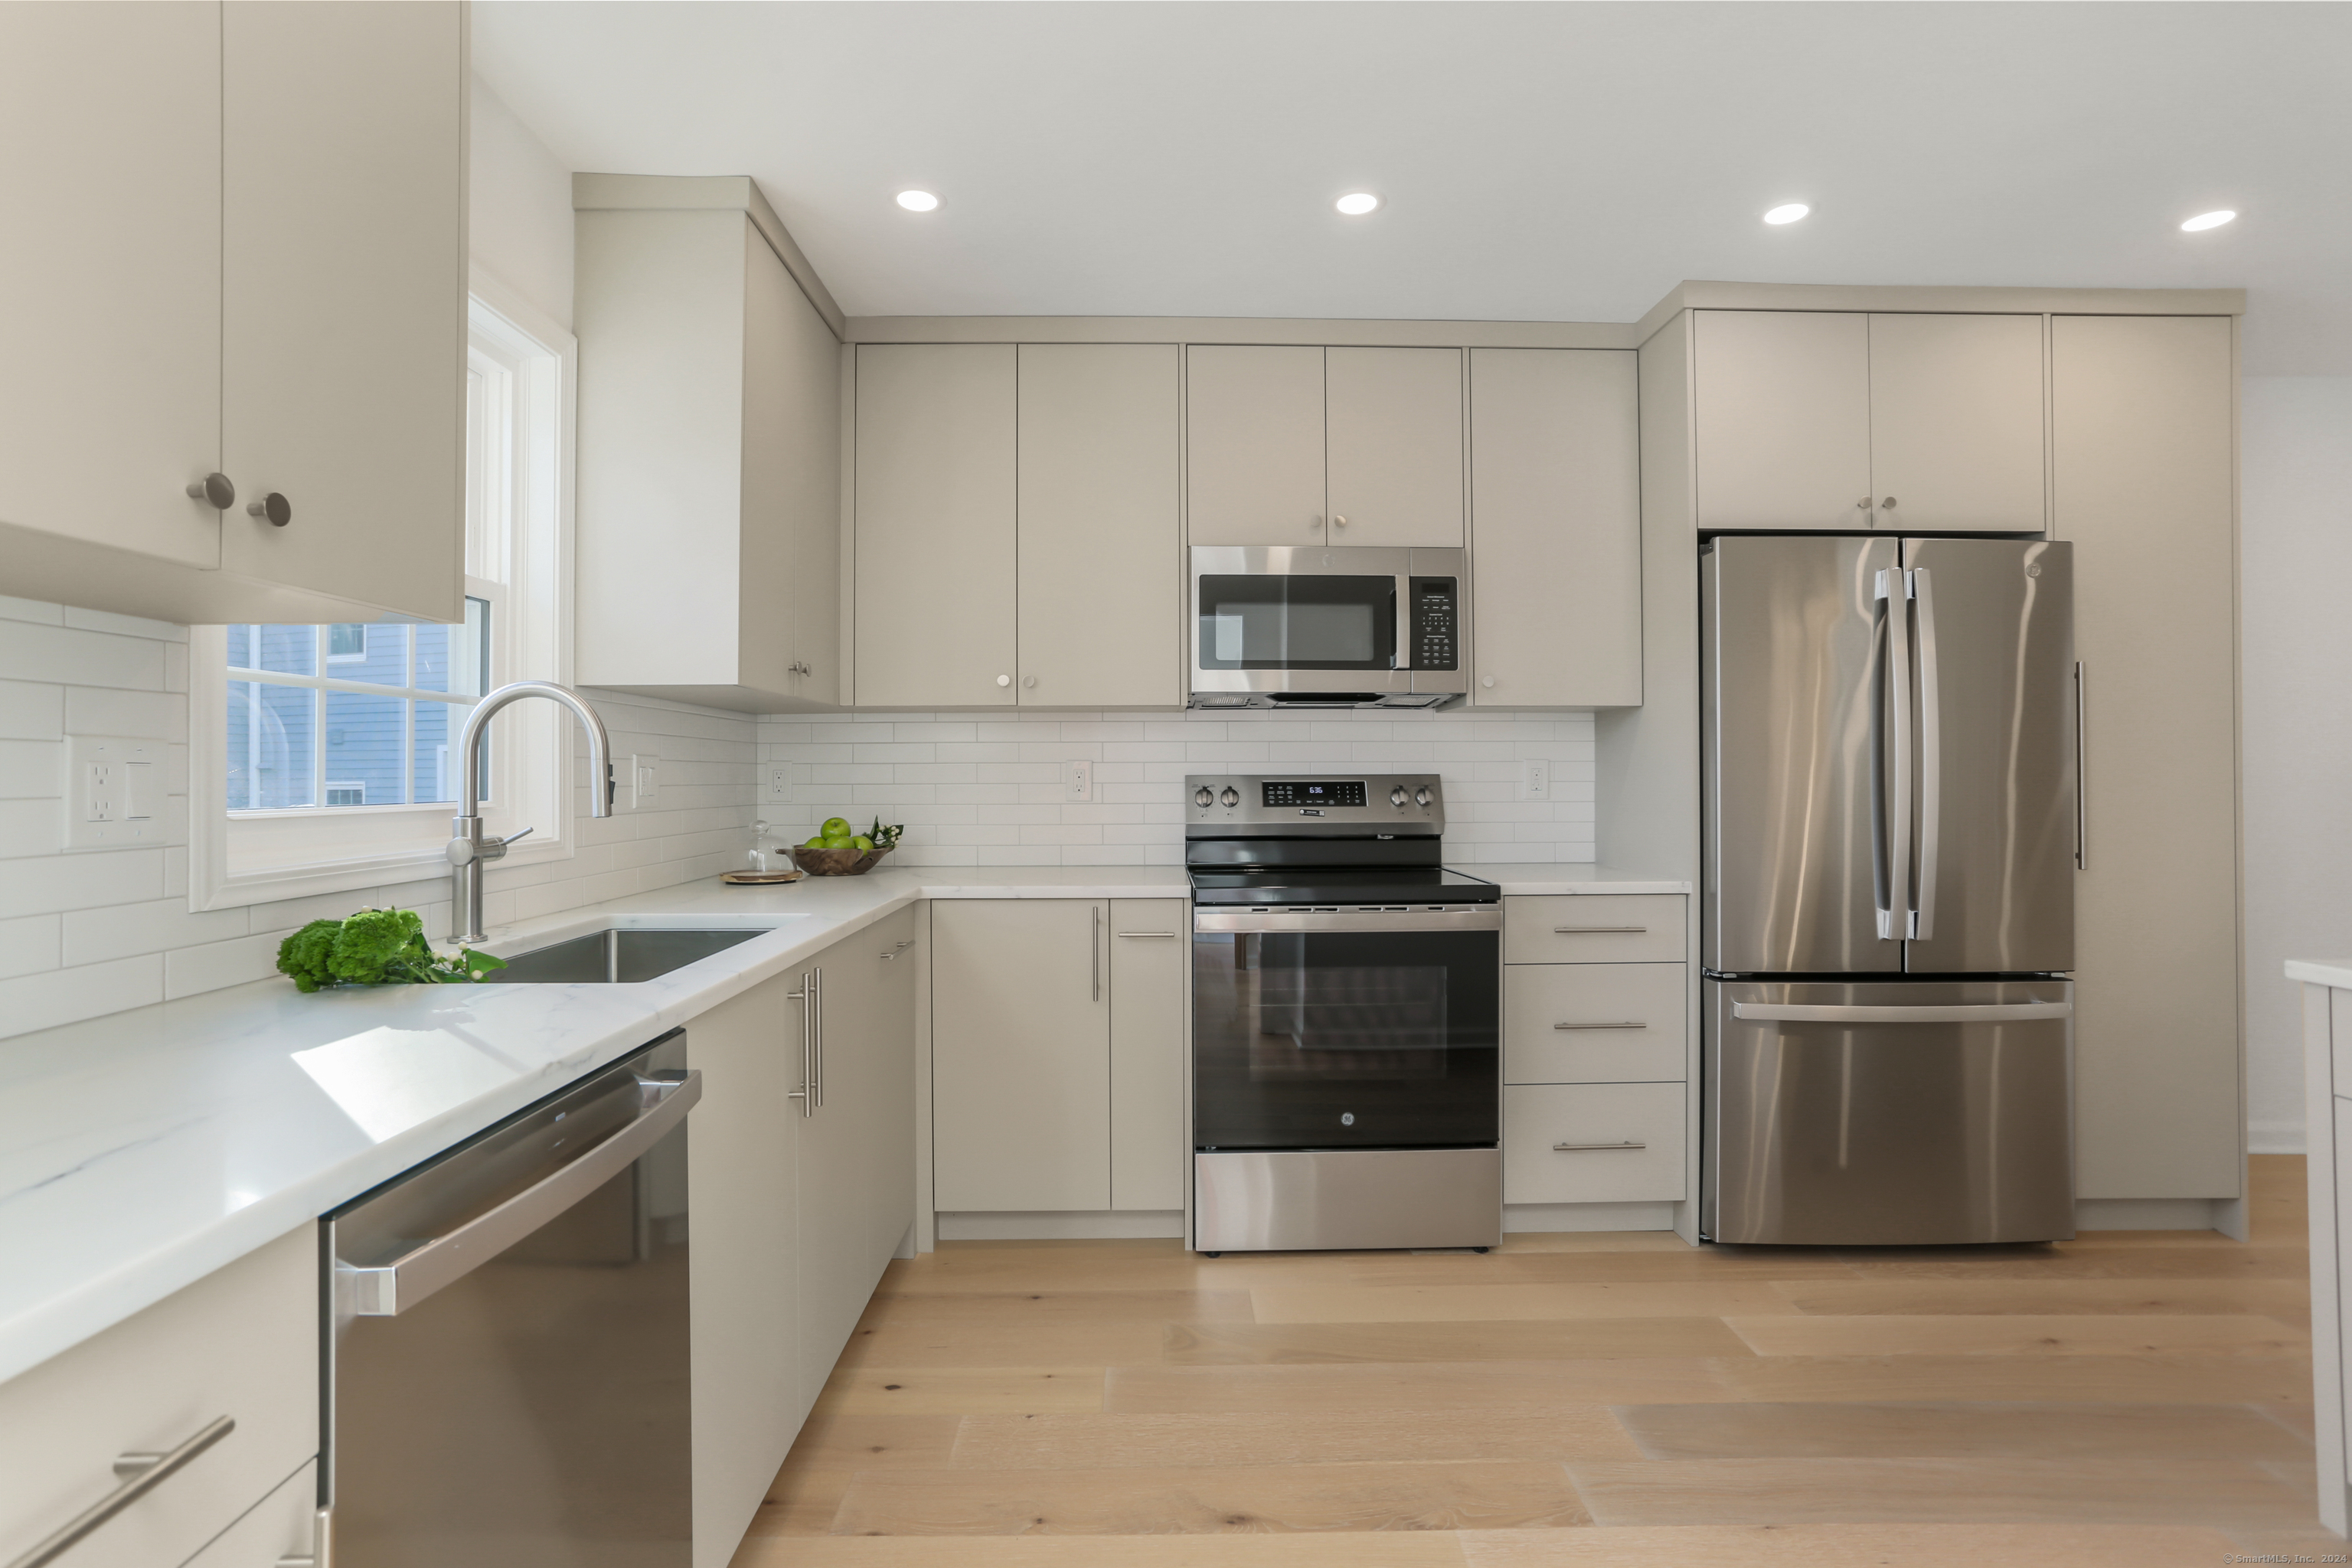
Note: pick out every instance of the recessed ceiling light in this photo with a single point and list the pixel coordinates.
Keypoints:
(2209, 220)
(917, 201)
(1356, 204)
(1788, 212)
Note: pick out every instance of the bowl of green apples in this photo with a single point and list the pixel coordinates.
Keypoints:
(840, 850)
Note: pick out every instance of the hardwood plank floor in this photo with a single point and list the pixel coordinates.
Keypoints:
(2127, 1397)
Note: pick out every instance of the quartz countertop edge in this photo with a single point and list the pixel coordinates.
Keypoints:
(143, 1151)
(2336, 971)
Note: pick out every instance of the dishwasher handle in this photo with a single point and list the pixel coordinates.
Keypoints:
(393, 1288)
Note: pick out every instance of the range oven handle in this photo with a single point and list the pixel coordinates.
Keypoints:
(1486, 917)
(401, 1284)
(1966, 1013)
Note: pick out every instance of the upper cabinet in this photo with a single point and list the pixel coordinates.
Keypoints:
(246, 225)
(1555, 529)
(1017, 536)
(1836, 420)
(710, 520)
(1315, 445)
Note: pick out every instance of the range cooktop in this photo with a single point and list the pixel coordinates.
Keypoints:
(1342, 887)
(1325, 841)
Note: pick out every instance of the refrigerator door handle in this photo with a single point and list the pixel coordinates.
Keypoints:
(1893, 592)
(1967, 1012)
(1931, 758)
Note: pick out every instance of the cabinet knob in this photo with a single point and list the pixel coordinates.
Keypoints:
(214, 490)
(1888, 503)
(1029, 680)
(1863, 503)
(1339, 521)
(274, 507)
(1004, 680)
(1486, 680)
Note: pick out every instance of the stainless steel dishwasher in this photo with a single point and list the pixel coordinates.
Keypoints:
(507, 1340)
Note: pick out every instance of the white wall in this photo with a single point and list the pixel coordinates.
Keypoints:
(2295, 485)
(985, 789)
(520, 217)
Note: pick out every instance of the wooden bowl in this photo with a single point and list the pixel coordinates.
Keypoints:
(836, 862)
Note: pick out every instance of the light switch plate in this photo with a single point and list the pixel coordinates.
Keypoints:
(642, 788)
(114, 791)
(1077, 779)
(1535, 779)
(776, 783)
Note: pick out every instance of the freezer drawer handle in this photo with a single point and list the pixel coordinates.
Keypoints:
(1580, 1148)
(1585, 930)
(139, 1474)
(1630, 1024)
(1966, 1013)
(401, 1284)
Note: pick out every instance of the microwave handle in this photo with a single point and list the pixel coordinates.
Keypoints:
(1402, 658)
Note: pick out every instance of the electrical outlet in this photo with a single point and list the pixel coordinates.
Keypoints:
(776, 783)
(114, 791)
(1077, 779)
(643, 786)
(1535, 781)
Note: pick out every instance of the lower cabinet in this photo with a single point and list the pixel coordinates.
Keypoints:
(282, 1525)
(242, 1342)
(1058, 1054)
(797, 1206)
(1592, 1142)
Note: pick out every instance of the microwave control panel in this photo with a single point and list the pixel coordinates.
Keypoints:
(1436, 626)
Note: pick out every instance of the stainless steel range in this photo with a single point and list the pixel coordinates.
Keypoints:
(1346, 996)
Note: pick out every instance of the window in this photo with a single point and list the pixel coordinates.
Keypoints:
(326, 757)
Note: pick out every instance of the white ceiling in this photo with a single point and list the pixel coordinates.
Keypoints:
(1539, 162)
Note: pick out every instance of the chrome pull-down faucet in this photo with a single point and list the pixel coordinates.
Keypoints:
(469, 846)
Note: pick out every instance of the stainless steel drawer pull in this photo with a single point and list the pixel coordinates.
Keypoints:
(1583, 931)
(141, 1474)
(395, 1287)
(1964, 1013)
(1147, 936)
(1630, 1025)
(897, 950)
(1578, 1148)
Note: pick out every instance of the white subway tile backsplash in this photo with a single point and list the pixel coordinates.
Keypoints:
(28, 945)
(54, 996)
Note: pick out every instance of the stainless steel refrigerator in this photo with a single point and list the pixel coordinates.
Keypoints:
(1892, 833)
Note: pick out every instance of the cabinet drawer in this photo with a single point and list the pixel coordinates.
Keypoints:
(1616, 928)
(242, 1342)
(1566, 1022)
(1536, 1118)
(283, 1524)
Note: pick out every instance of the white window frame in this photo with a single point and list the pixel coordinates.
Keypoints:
(519, 560)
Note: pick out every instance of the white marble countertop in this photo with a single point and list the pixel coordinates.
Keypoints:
(2335, 972)
(1523, 881)
(143, 1151)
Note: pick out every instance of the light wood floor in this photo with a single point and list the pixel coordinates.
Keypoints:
(2128, 1398)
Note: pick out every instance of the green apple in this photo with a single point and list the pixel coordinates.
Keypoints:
(836, 827)
(860, 842)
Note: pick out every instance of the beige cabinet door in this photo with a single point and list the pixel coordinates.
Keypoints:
(1254, 444)
(1020, 1054)
(1593, 1023)
(1781, 406)
(1101, 546)
(343, 313)
(885, 1107)
(1956, 422)
(1151, 954)
(1555, 529)
(935, 533)
(786, 576)
(2142, 439)
(109, 258)
(832, 1251)
(1394, 418)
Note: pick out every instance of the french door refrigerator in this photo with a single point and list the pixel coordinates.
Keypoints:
(1889, 741)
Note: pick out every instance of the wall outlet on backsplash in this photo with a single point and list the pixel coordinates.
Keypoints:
(1535, 779)
(643, 786)
(776, 783)
(1077, 780)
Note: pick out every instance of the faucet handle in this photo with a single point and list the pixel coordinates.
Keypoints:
(516, 837)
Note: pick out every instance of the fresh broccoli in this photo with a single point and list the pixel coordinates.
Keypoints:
(304, 954)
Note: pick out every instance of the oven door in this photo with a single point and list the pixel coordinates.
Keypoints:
(1277, 619)
(1345, 1029)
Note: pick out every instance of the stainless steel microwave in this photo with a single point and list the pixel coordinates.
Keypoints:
(1344, 627)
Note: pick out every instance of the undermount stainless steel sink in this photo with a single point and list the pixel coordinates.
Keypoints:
(617, 957)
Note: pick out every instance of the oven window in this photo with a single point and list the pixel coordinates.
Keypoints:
(1326, 1040)
(1298, 622)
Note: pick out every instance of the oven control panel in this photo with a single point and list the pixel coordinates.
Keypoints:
(1315, 791)
(1372, 805)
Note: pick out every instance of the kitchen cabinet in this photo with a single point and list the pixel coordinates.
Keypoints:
(1617, 928)
(1594, 1022)
(1555, 529)
(2144, 433)
(936, 502)
(1254, 454)
(246, 227)
(1838, 420)
(1298, 446)
(1058, 1054)
(241, 1342)
(1592, 1143)
(709, 464)
(1151, 973)
(1099, 541)
(1393, 444)
(283, 1525)
(2327, 1123)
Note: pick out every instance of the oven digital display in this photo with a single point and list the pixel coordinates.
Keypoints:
(1348, 792)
